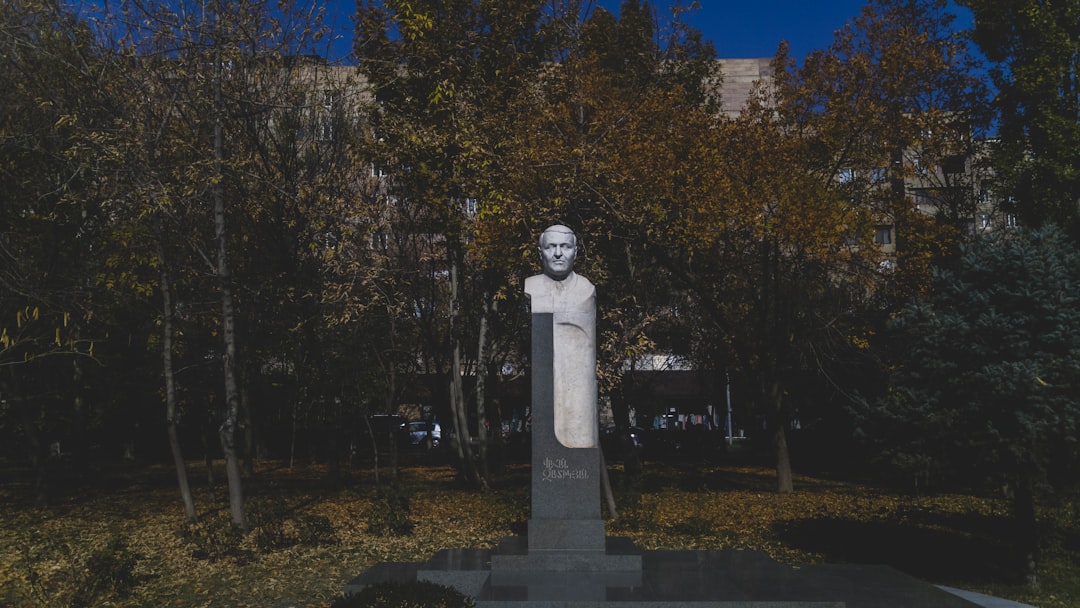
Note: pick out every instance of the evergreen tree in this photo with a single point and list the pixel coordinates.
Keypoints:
(1035, 49)
(986, 371)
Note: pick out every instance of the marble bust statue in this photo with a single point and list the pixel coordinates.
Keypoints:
(571, 300)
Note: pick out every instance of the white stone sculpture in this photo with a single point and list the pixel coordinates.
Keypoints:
(571, 300)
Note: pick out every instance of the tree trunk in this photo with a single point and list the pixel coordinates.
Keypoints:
(778, 423)
(772, 346)
(1027, 531)
(481, 387)
(247, 426)
(207, 436)
(457, 394)
(292, 435)
(620, 408)
(605, 483)
(227, 431)
(170, 385)
(35, 450)
(374, 446)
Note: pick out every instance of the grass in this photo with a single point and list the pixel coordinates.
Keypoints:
(314, 536)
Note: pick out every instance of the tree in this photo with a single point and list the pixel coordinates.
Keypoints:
(819, 159)
(451, 67)
(1034, 48)
(50, 218)
(985, 370)
(897, 106)
(602, 141)
(773, 260)
(203, 146)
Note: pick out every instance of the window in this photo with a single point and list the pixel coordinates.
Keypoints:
(1010, 220)
(324, 126)
(378, 240)
(879, 175)
(918, 164)
(954, 165)
(846, 175)
(883, 236)
(325, 130)
(985, 222)
(471, 206)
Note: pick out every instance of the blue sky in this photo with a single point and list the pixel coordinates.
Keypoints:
(754, 28)
(738, 28)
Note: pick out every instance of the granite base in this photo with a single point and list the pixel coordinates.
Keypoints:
(511, 577)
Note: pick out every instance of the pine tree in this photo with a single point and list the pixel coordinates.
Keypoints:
(986, 375)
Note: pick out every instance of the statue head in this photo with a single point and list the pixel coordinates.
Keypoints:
(558, 248)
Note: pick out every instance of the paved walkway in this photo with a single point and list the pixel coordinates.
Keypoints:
(986, 601)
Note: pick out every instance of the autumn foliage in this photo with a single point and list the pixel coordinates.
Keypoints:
(50, 557)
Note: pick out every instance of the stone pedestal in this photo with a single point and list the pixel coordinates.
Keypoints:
(566, 552)
(565, 530)
(669, 579)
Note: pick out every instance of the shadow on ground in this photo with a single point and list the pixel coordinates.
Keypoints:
(949, 549)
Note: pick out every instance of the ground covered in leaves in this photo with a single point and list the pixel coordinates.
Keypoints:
(117, 536)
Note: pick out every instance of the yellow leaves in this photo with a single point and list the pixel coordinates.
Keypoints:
(413, 25)
(731, 508)
(66, 120)
(27, 314)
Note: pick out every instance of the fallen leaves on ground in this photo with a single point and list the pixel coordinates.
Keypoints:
(42, 549)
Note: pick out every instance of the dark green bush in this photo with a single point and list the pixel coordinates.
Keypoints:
(417, 594)
(388, 514)
(315, 530)
(266, 519)
(58, 573)
(213, 539)
(110, 571)
(274, 527)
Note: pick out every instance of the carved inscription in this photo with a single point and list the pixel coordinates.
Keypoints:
(556, 468)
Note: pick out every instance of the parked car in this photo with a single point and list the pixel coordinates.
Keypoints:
(425, 434)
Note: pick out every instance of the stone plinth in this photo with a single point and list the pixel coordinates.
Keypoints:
(670, 579)
(565, 514)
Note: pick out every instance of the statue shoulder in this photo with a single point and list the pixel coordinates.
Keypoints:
(584, 284)
(535, 283)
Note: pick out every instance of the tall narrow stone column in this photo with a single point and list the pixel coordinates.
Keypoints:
(565, 480)
(566, 531)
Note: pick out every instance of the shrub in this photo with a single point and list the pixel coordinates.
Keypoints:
(213, 539)
(315, 530)
(272, 527)
(109, 571)
(417, 594)
(59, 572)
(266, 520)
(388, 514)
